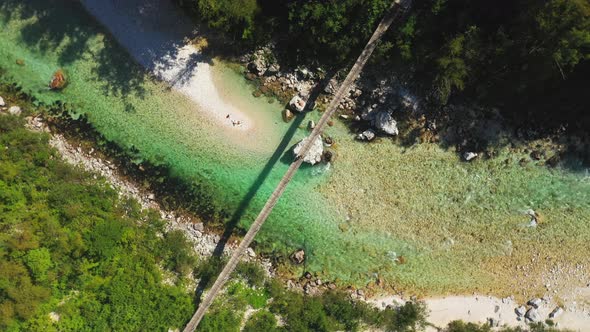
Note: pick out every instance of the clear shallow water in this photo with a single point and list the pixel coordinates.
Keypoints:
(459, 227)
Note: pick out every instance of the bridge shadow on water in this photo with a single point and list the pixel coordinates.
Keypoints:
(216, 261)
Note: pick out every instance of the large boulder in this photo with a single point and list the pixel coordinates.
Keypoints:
(288, 115)
(297, 104)
(314, 155)
(385, 122)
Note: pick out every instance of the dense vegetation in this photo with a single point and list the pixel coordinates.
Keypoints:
(528, 57)
(69, 245)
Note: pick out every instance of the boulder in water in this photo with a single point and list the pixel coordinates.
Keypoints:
(385, 122)
(297, 104)
(298, 256)
(58, 80)
(314, 155)
(288, 115)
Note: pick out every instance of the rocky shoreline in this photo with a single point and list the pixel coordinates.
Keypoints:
(385, 105)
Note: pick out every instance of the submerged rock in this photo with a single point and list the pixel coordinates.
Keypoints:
(297, 104)
(298, 256)
(314, 155)
(385, 122)
(58, 80)
(288, 115)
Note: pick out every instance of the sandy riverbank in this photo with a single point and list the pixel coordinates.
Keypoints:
(157, 35)
(479, 309)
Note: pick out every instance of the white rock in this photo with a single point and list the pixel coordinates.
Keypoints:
(54, 316)
(297, 104)
(385, 122)
(520, 311)
(367, 135)
(311, 124)
(251, 252)
(2, 103)
(556, 312)
(469, 156)
(314, 155)
(533, 315)
(15, 110)
(535, 303)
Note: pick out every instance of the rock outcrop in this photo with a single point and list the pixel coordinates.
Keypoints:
(385, 122)
(297, 104)
(533, 315)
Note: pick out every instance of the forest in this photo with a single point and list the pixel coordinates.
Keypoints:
(527, 57)
(68, 244)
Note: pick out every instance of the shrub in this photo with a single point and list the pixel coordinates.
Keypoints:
(221, 320)
(261, 321)
(407, 318)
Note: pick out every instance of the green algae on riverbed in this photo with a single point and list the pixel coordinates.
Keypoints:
(459, 227)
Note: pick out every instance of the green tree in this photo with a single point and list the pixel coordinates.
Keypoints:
(39, 262)
(261, 321)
